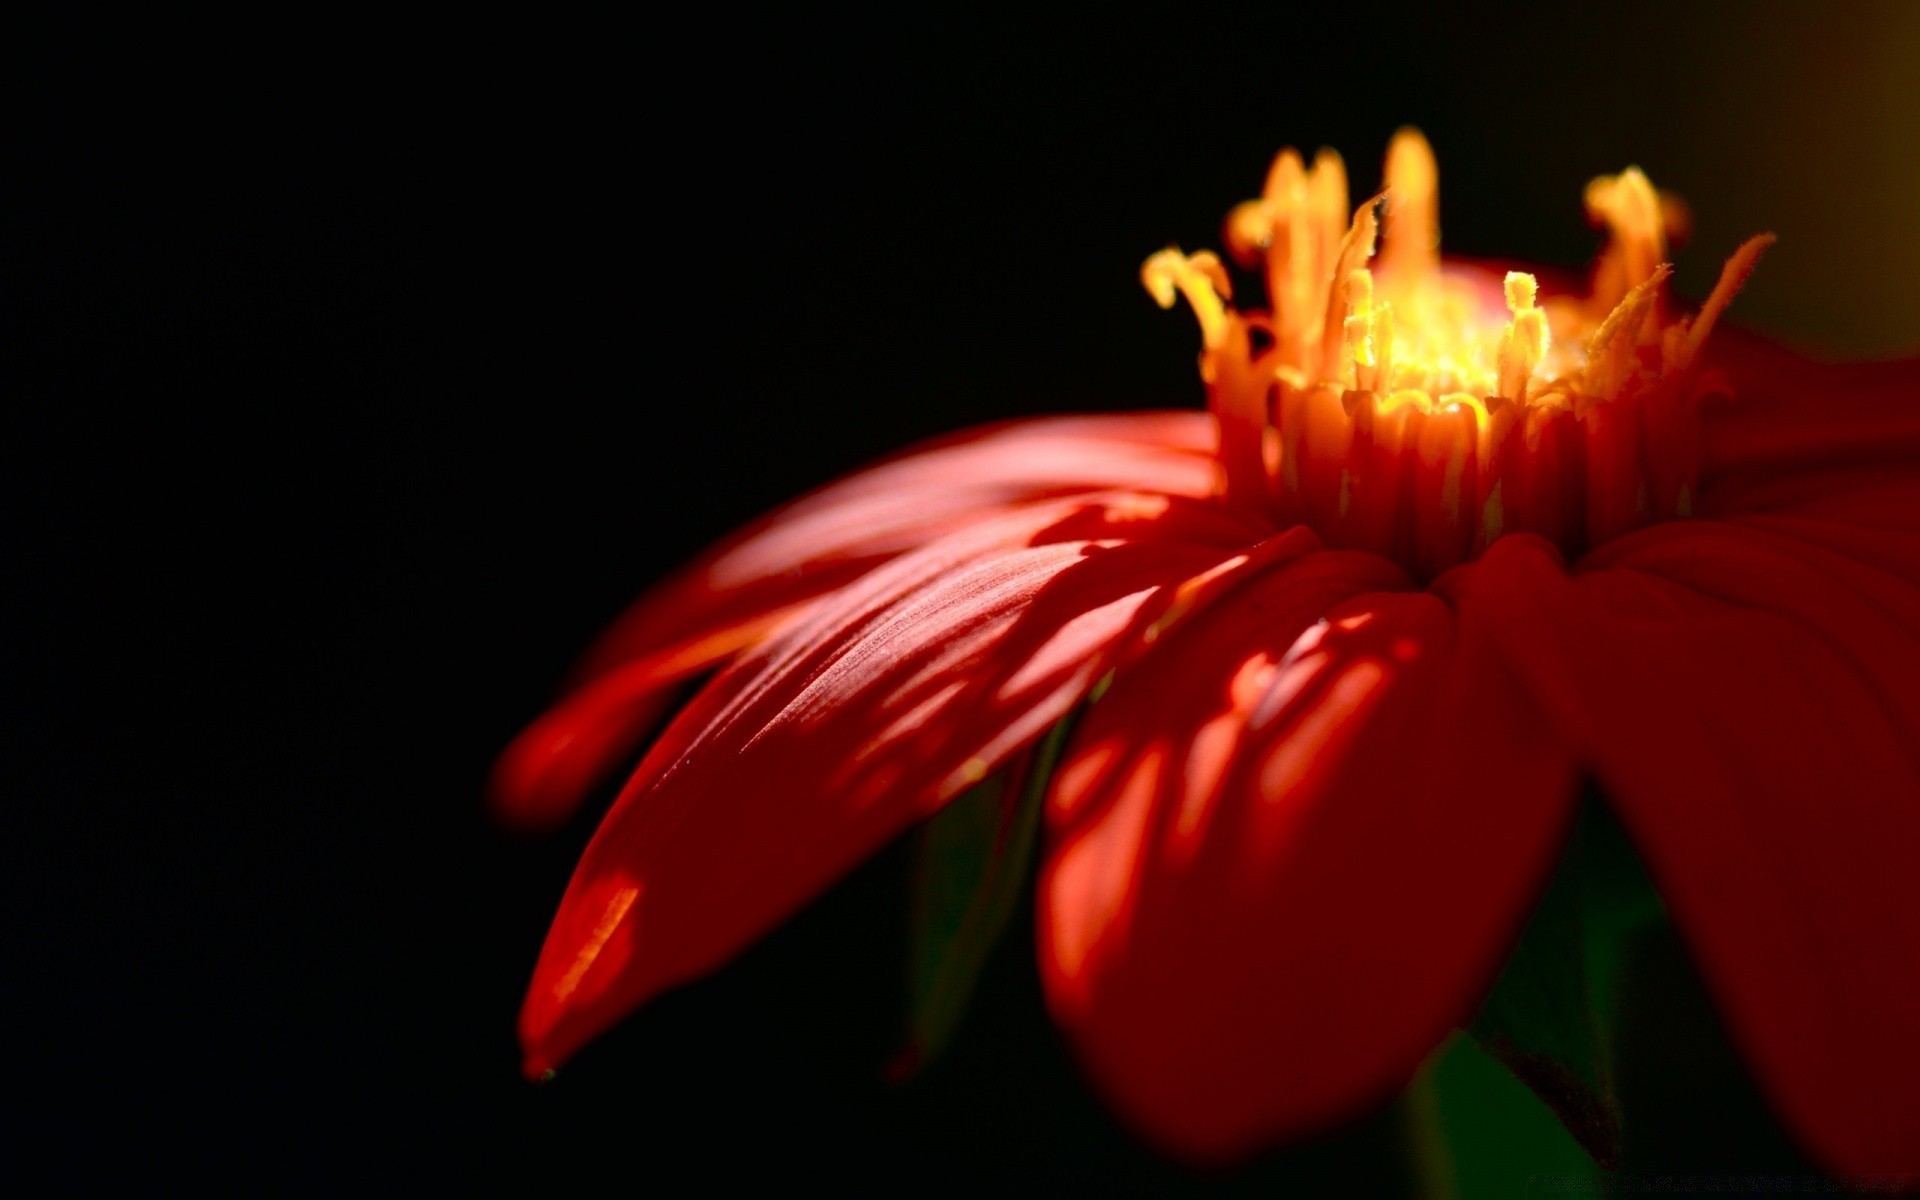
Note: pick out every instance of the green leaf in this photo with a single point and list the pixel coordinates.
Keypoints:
(1549, 1017)
(1618, 905)
(974, 857)
(1475, 1130)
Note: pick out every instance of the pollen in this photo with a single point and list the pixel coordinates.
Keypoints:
(1405, 405)
(1524, 342)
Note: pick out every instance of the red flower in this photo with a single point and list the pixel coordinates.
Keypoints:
(1429, 557)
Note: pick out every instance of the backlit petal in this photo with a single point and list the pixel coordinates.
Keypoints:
(1749, 711)
(1837, 442)
(1287, 853)
(816, 748)
(774, 570)
(1822, 577)
(821, 540)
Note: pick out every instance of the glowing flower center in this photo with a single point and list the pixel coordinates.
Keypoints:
(1403, 407)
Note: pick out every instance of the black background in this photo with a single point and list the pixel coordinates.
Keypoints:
(357, 371)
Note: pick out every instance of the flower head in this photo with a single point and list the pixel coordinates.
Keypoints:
(1447, 540)
(1418, 411)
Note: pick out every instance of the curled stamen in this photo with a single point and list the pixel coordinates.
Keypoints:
(1630, 209)
(1249, 231)
(1201, 279)
(1394, 407)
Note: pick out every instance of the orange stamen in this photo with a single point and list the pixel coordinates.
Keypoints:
(1630, 209)
(1733, 277)
(1524, 342)
(1399, 409)
(1200, 278)
(1410, 235)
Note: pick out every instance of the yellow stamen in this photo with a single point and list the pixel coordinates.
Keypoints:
(1284, 176)
(1327, 197)
(1394, 407)
(1627, 204)
(1410, 235)
(1289, 250)
(1521, 289)
(1523, 344)
(1355, 249)
(1610, 352)
(1381, 341)
(1249, 231)
(1200, 278)
(1357, 329)
(1297, 224)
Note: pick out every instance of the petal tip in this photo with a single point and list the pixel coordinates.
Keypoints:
(538, 1068)
(519, 795)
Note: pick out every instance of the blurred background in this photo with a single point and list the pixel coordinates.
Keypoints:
(359, 369)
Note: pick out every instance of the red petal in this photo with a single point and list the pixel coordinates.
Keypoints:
(1797, 433)
(815, 749)
(1283, 863)
(771, 572)
(549, 768)
(1893, 551)
(1846, 588)
(1752, 715)
(821, 540)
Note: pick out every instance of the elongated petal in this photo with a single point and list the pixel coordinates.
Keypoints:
(1854, 591)
(1893, 551)
(773, 571)
(814, 750)
(1816, 440)
(1287, 854)
(545, 772)
(1751, 712)
(821, 540)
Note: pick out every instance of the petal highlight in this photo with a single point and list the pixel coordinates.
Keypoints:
(816, 748)
(1287, 853)
(776, 569)
(773, 571)
(821, 540)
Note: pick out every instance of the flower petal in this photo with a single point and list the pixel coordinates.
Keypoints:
(1851, 590)
(834, 736)
(1825, 440)
(1287, 854)
(774, 570)
(545, 772)
(820, 541)
(1891, 550)
(1751, 714)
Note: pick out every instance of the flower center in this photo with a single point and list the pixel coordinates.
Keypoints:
(1421, 411)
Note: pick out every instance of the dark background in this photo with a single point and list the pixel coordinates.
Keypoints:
(355, 372)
